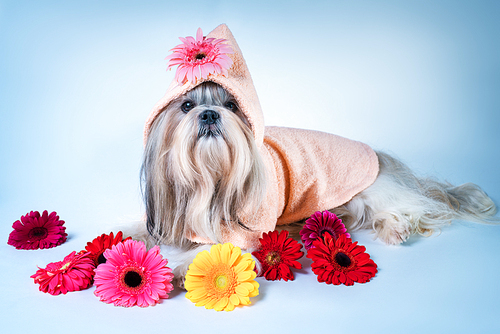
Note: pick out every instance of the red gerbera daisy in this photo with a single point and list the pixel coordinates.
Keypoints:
(319, 224)
(97, 247)
(74, 273)
(341, 261)
(34, 231)
(278, 253)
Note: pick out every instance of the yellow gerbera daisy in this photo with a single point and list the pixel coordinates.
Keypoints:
(222, 278)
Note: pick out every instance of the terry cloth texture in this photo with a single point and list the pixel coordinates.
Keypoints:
(307, 171)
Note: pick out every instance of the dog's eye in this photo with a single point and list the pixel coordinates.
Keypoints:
(231, 106)
(187, 106)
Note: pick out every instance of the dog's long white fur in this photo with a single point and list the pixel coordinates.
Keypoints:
(399, 204)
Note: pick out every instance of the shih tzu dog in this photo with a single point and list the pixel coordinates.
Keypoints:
(213, 173)
(201, 167)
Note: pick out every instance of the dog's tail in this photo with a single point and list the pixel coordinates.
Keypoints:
(400, 203)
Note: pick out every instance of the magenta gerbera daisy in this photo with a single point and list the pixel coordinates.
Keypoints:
(132, 275)
(36, 231)
(318, 224)
(277, 255)
(74, 273)
(198, 58)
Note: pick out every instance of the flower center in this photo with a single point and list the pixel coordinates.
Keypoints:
(38, 233)
(65, 266)
(101, 258)
(343, 260)
(273, 258)
(326, 229)
(221, 281)
(132, 279)
(200, 56)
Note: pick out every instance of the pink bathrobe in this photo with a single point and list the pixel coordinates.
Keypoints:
(308, 171)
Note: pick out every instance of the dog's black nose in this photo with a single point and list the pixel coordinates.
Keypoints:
(209, 117)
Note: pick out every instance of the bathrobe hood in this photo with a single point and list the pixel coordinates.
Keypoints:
(238, 83)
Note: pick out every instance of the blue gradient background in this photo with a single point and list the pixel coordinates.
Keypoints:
(419, 79)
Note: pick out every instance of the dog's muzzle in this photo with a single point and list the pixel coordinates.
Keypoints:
(209, 117)
(209, 123)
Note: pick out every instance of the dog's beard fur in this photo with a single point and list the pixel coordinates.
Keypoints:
(197, 178)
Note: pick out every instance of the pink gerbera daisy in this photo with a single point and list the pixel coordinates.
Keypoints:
(200, 57)
(36, 231)
(318, 224)
(133, 275)
(74, 273)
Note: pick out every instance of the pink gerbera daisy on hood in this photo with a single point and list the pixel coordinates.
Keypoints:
(36, 231)
(198, 58)
(133, 275)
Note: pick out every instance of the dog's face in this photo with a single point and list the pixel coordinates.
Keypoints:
(201, 164)
(208, 112)
(205, 134)
(211, 107)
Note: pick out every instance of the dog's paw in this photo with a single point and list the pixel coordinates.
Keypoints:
(392, 229)
(180, 275)
(179, 281)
